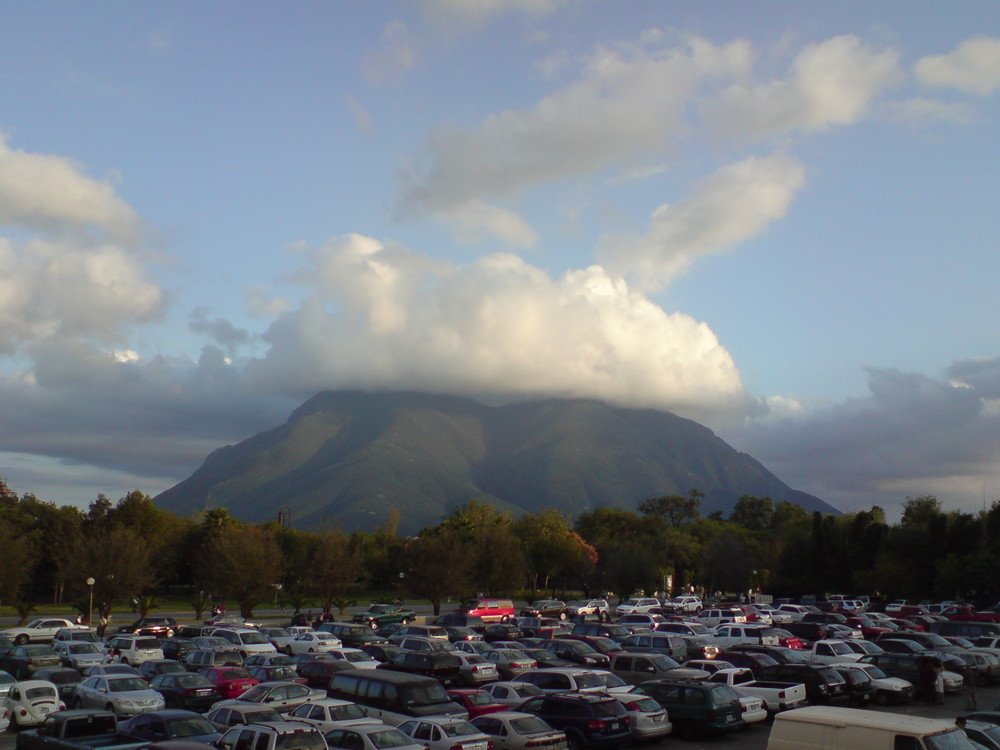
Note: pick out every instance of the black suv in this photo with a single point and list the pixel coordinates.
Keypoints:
(158, 627)
(475, 622)
(611, 630)
(590, 720)
(823, 683)
(352, 634)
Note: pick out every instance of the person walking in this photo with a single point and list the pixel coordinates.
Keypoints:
(969, 680)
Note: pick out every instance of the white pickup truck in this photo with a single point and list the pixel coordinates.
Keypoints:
(830, 651)
(777, 696)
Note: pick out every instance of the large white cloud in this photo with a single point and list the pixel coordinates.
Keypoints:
(728, 207)
(71, 267)
(829, 83)
(51, 193)
(973, 67)
(627, 103)
(383, 317)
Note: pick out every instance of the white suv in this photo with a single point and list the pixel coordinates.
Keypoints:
(134, 649)
(712, 617)
(684, 604)
(246, 640)
(637, 605)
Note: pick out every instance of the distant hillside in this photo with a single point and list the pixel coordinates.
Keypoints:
(348, 457)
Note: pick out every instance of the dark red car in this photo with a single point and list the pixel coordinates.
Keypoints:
(231, 682)
(476, 702)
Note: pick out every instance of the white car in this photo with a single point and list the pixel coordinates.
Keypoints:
(734, 634)
(28, 702)
(888, 690)
(312, 642)
(833, 652)
(718, 616)
(134, 649)
(637, 605)
(684, 605)
(445, 733)
(125, 695)
(511, 693)
(43, 630)
(247, 641)
(795, 611)
(512, 730)
(355, 656)
(332, 713)
(754, 709)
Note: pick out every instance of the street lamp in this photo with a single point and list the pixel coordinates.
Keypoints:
(90, 614)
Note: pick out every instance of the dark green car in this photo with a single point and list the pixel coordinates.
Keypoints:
(378, 615)
(696, 708)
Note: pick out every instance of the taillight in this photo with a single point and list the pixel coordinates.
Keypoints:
(781, 695)
(595, 725)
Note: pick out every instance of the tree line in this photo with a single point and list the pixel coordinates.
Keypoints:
(133, 550)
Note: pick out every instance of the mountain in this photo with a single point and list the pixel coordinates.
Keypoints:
(347, 457)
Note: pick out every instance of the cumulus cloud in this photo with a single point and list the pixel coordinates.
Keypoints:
(973, 67)
(51, 194)
(737, 202)
(829, 83)
(920, 110)
(221, 331)
(383, 317)
(912, 434)
(627, 103)
(465, 14)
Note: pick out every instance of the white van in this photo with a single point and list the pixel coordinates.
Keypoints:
(836, 728)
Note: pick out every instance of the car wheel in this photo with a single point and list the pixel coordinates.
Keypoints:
(21, 639)
(125, 660)
(110, 708)
(311, 650)
(574, 741)
(78, 703)
(288, 650)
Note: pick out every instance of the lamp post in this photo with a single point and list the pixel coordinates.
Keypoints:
(90, 614)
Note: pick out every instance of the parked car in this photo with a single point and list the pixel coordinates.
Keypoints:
(637, 604)
(150, 669)
(186, 690)
(230, 681)
(555, 608)
(516, 730)
(331, 713)
(79, 654)
(887, 690)
(823, 683)
(318, 674)
(156, 627)
(697, 708)
(246, 641)
(224, 717)
(275, 735)
(378, 615)
(475, 701)
(442, 666)
(281, 696)
(28, 703)
(125, 695)
(64, 678)
(509, 662)
(589, 721)
(42, 630)
(371, 737)
(445, 733)
(133, 649)
(511, 694)
(23, 661)
(312, 642)
(171, 724)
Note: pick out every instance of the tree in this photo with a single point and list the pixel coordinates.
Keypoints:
(334, 567)
(753, 513)
(438, 566)
(674, 509)
(243, 564)
(551, 548)
(118, 560)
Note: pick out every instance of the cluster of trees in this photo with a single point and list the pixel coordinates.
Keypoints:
(132, 549)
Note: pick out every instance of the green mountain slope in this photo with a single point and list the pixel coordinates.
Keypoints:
(347, 458)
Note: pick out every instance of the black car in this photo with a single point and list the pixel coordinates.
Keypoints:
(578, 653)
(186, 690)
(807, 632)
(177, 648)
(554, 608)
(860, 688)
(153, 667)
(612, 630)
(64, 678)
(502, 631)
(751, 660)
(592, 721)
(170, 724)
(159, 627)
(461, 620)
(381, 651)
(823, 683)
(442, 666)
(317, 674)
(352, 634)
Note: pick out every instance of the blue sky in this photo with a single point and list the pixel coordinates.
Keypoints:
(779, 219)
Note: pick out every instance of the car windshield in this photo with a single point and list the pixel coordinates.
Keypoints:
(148, 644)
(38, 651)
(126, 684)
(189, 726)
(841, 648)
(646, 704)
(282, 673)
(954, 739)
(237, 673)
(589, 680)
(253, 638)
(264, 714)
(607, 708)
(356, 656)
(299, 740)
(610, 680)
(389, 738)
(63, 677)
(39, 692)
(604, 644)
(529, 725)
(347, 711)
(277, 632)
(255, 694)
(83, 648)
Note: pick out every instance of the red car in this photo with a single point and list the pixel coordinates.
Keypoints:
(231, 682)
(870, 630)
(476, 702)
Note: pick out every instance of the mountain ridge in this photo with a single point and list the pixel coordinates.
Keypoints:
(346, 457)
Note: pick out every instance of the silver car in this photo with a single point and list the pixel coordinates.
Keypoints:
(125, 695)
(79, 654)
(511, 730)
